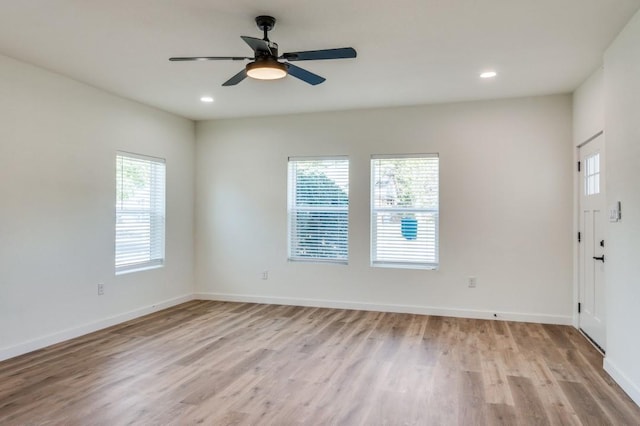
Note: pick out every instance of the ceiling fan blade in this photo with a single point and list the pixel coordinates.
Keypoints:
(304, 75)
(257, 44)
(236, 78)
(312, 55)
(210, 58)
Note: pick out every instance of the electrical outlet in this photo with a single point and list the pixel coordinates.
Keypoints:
(265, 275)
(472, 282)
(100, 289)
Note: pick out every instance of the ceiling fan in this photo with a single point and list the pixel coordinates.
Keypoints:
(266, 65)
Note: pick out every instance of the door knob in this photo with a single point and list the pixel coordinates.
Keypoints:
(599, 258)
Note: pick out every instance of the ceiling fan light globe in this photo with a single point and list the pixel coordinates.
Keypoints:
(266, 70)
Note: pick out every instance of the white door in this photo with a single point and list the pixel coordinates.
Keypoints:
(592, 240)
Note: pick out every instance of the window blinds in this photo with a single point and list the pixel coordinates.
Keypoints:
(404, 211)
(318, 208)
(140, 212)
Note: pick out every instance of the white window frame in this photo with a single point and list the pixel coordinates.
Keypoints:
(292, 210)
(430, 264)
(150, 254)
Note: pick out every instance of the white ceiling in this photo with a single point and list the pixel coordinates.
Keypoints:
(409, 51)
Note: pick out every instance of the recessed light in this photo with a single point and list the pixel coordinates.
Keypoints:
(488, 74)
(206, 99)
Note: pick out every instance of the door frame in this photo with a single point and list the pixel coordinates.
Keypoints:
(577, 186)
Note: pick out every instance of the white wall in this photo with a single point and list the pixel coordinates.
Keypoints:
(622, 106)
(588, 108)
(58, 140)
(506, 208)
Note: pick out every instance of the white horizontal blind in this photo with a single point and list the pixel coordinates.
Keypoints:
(404, 211)
(318, 209)
(140, 212)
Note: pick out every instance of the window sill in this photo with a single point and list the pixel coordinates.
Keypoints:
(406, 266)
(318, 261)
(139, 268)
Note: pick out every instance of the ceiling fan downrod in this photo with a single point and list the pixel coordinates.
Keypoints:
(266, 24)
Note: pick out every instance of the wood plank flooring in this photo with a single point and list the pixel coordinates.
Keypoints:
(220, 363)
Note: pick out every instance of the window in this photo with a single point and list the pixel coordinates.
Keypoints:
(140, 205)
(404, 211)
(592, 175)
(318, 209)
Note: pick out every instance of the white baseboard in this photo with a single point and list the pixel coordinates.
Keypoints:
(625, 383)
(71, 333)
(407, 309)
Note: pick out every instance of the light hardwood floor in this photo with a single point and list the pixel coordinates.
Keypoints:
(222, 363)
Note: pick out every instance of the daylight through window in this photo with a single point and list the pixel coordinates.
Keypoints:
(404, 211)
(140, 212)
(592, 175)
(318, 209)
